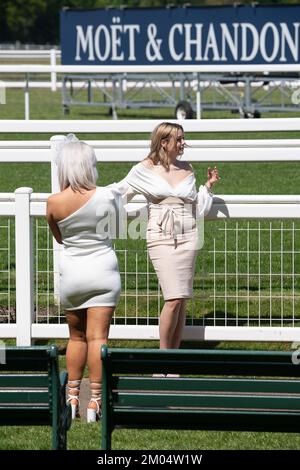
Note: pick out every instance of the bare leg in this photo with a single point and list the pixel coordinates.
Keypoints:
(167, 323)
(98, 323)
(76, 354)
(177, 336)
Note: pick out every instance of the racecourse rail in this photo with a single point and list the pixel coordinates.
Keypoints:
(28, 70)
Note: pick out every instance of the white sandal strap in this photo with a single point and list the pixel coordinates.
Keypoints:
(73, 386)
(73, 397)
(96, 400)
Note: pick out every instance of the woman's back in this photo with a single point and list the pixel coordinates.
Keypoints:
(89, 275)
(92, 225)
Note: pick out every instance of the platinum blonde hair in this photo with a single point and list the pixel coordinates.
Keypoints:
(77, 166)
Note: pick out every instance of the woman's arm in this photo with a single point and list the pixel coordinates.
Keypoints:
(205, 195)
(51, 221)
(204, 200)
(126, 186)
(125, 189)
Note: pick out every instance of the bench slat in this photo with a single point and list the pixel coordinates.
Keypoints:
(203, 362)
(214, 384)
(24, 396)
(33, 416)
(207, 420)
(26, 359)
(24, 380)
(216, 400)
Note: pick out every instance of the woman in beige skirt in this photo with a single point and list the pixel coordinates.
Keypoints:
(174, 205)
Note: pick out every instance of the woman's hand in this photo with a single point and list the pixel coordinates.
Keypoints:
(212, 177)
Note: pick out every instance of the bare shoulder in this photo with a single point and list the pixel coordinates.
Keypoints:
(55, 202)
(54, 199)
(147, 163)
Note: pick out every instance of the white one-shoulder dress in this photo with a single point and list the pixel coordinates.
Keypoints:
(88, 266)
(172, 230)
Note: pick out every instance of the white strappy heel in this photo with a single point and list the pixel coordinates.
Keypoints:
(74, 385)
(94, 414)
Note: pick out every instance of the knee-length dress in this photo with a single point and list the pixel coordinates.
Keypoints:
(173, 234)
(88, 266)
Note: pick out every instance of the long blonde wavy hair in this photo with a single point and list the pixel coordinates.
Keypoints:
(163, 131)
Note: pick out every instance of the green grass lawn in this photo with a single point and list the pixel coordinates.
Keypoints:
(88, 437)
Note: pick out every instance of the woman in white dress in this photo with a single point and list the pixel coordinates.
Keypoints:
(89, 274)
(174, 204)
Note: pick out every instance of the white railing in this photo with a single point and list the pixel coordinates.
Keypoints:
(259, 300)
(134, 150)
(147, 125)
(26, 54)
(51, 54)
(27, 69)
(220, 68)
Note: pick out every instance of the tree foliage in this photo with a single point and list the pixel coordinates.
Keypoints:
(37, 21)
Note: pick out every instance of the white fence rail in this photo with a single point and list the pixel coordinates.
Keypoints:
(26, 54)
(247, 281)
(147, 125)
(51, 54)
(135, 150)
(27, 70)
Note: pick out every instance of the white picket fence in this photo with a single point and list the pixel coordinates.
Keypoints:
(282, 213)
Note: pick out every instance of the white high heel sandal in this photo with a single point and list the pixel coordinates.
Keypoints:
(94, 414)
(74, 407)
(74, 385)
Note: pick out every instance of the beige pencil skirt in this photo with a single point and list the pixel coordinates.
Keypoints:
(172, 242)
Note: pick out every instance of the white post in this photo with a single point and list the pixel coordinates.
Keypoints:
(53, 74)
(56, 143)
(198, 98)
(27, 98)
(198, 104)
(24, 266)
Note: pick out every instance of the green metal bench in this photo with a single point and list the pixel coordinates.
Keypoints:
(32, 392)
(262, 393)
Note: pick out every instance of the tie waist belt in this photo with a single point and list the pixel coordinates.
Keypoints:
(174, 215)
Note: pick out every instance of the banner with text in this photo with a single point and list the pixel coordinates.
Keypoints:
(178, 36)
